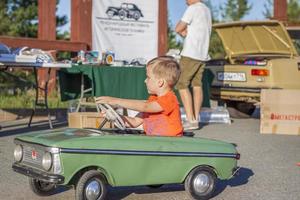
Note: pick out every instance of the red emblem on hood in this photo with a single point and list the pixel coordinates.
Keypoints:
(33, 154)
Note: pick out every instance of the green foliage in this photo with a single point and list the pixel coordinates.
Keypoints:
(297, 45)
(10, 82)
(173, 43)
(19, 18)
(293, 11)
(25, 99)
(268, 6)
(235, 10)
(216, 49)
(214, 10)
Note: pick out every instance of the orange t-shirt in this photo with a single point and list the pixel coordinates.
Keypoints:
(166, 122)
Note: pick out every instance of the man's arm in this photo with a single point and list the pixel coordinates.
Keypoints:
(138, 105)
(181, 28)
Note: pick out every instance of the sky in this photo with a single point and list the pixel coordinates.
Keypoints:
(176, 9)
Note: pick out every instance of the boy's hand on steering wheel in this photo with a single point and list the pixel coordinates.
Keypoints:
(105, 100)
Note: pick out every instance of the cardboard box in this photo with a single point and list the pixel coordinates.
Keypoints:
(280, 112)
(86, 120)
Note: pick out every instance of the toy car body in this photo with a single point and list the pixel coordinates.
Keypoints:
(127, 10)
(91, 159)
(260, 55)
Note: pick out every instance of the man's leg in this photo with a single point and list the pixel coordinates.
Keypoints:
(187, 102)
(198, 99)
(197, 90)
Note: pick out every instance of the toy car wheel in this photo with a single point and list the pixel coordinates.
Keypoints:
(110, 13)
(200, 183)
(136, 16)
(91, 186)
(41, 188)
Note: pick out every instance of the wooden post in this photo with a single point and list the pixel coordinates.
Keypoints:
(162, 27)
(81, 21)
(47, 31)
(280, 10)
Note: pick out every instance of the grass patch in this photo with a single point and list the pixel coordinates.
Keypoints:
(27, 99)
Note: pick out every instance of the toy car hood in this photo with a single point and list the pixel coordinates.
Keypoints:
(88, 139)
(247, 38)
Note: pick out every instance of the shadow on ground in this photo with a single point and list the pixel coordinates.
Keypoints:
(121, 192)
(20, 128)
(241, 178)
(117, 193)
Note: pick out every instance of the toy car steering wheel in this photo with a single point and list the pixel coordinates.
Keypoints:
(112, 115)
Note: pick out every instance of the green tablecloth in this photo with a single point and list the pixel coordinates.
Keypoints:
(123, 82)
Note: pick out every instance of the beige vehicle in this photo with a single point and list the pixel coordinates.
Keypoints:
(260, 54)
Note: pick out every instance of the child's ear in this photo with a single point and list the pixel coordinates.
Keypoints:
(161, 82)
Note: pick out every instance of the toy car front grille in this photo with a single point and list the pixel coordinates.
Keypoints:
(33, 157)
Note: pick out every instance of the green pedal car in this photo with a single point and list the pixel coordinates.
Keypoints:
(90, 160)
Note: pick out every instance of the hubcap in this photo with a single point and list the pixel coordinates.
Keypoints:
(201, 183)
(93, 190)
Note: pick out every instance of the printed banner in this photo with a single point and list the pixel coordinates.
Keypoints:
(129, 28)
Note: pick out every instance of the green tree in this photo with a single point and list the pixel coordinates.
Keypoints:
(173, 42)
(19, 18)
(214, 11)
(235, 10)
(268, 12)
(293, 10)
(293, 15)
(216, 49)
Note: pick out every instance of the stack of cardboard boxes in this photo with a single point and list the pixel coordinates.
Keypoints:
(86, 120)
(280, 112)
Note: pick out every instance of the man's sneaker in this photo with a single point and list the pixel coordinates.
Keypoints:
(193, 125)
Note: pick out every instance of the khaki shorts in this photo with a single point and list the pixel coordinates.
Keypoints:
(191, 73)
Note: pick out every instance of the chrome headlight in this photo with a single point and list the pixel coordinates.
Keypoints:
(56, 164)
(47, 161)
(18, 153)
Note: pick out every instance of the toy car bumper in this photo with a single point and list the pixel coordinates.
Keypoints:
(37, 174)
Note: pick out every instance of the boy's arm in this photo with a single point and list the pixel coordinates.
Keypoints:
(138, 105)
(132, 122)
(181, 28)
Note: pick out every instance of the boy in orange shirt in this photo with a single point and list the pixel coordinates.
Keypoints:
(160, 114)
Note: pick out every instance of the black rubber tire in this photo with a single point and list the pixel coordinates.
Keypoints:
(122, 14)
(239, 109)
(136, 16)
(190, 187)
(110, 14)
(85, 179)
(41, 188)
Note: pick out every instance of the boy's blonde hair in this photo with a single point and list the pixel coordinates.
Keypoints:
(165, 67)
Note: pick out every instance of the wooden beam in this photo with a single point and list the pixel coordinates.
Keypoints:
(47, 19)
(59, 45)
(81, 21)
(280, 10)
(162, 27)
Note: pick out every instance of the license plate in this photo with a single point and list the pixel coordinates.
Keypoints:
(231, 76)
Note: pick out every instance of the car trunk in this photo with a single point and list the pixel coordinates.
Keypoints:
(260, 54)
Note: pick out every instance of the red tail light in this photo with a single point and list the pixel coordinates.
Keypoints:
(260, 72)
(237, 156)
